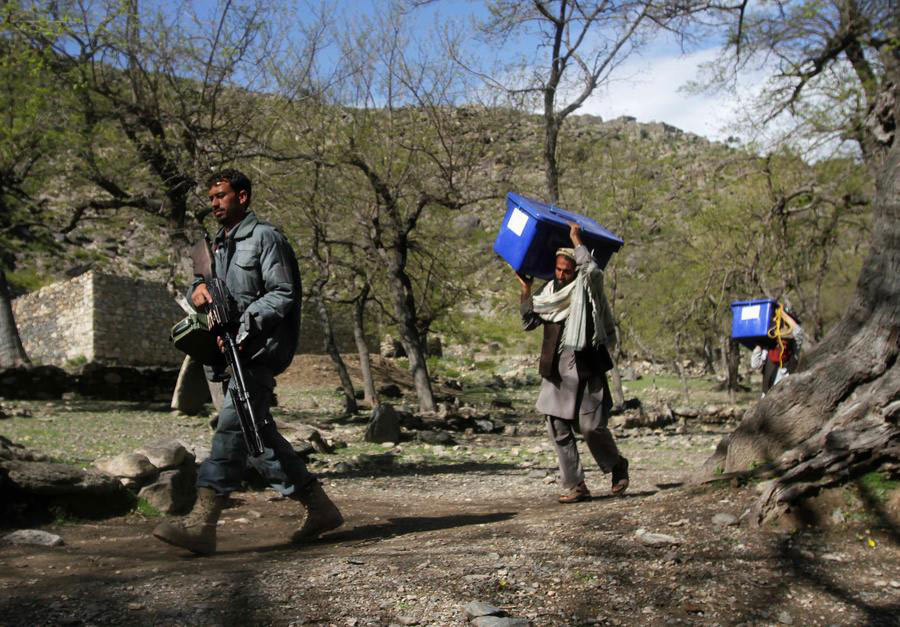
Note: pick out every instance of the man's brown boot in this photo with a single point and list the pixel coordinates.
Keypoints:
(321, 514)
(197, 532)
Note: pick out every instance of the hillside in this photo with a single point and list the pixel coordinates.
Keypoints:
(692, 213)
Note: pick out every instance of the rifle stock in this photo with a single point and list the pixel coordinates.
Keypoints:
(224, 321)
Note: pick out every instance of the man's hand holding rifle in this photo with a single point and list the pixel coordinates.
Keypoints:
(224, 320)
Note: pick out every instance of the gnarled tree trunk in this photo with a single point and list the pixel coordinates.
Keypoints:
(839, 416)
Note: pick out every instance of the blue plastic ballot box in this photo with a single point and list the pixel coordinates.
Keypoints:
(751, 321)
(532, 232)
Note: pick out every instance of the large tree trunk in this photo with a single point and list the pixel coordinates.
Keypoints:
(12, 353)
(332, 349)
(840, 415)
(365, 361)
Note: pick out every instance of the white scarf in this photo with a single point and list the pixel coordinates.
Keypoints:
(572, 305)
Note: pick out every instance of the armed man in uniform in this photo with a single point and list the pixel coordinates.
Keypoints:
(259, 268)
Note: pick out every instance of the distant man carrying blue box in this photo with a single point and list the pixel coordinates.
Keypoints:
(579, 332)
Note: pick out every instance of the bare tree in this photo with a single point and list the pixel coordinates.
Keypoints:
(410, 157)
(583, 43)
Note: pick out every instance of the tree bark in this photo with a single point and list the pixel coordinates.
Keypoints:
(365, 361)
(331, 348)
(12, 352)
(732, 352)
(401, 289)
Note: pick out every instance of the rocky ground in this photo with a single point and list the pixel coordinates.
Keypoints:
(436, 532)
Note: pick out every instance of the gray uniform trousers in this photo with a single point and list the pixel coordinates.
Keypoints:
(579, 402)
(279, 464)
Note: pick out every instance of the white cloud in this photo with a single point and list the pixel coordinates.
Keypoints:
(648, 89)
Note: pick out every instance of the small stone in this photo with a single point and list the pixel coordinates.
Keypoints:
(724, 520)
(500, 621)
(33, 537)
(785, 618)
(655, 539)
(474, 609)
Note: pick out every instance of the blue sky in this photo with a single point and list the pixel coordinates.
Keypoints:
(646, 87)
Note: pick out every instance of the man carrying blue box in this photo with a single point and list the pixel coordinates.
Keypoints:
(579, 332)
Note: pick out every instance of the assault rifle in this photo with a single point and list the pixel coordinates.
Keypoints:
(224, 320)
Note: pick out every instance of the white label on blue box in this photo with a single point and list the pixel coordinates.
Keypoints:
(750, 313)
(517, 222)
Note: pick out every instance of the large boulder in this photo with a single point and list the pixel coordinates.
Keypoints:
(34, 491)
(384, 425)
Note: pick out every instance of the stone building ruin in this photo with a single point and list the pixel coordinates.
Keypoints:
(99, 317)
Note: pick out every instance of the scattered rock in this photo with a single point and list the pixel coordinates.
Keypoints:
(655, 539)
(724, 520)
(127, 466)
(165, 454)
(390, 390)
(435, 437)
(33, 537)
(174, 491)
(500, 621)
(475, 609)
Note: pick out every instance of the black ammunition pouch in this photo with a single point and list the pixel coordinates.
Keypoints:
(193, 337)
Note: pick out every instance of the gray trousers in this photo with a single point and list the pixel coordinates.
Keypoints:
(223, 470)
(592, 426)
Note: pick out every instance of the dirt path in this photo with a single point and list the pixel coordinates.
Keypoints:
(422, 542)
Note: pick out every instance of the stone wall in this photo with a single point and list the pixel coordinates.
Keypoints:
(55, 322)
(99, 317)
(132, 320)
(118, 320)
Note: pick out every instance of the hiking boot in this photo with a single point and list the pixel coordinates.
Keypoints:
(576, 494)
(197, 532)
(321, 514)
(620, 476)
